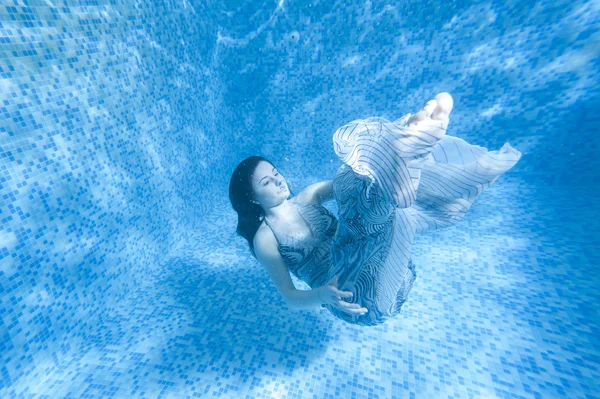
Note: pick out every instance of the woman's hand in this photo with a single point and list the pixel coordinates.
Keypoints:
(330, 295)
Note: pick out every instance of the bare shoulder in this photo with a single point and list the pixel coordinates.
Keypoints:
(265, 240)
(267, 253)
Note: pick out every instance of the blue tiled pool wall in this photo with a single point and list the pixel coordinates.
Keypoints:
(107, 121)
(526, 73)
(121, 123)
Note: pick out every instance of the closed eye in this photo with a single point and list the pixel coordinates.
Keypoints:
(276, 174)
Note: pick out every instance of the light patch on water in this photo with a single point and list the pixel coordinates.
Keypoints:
(392, 66)
(474, 16)
(368, 21)
(579, 62)
(186, 5)
(182, 66)
(566, 63)
(277, 390)
(316, 52)
(233, 42)
(512, 51)
(451, 24)
(9, 241)
(311, 105)
(181, 84)
(351, 60)
(72, 246)
(490, 112)
(491, 16)
(574, 93)
(279, 79)
(149, 40)
(155, 158)
(587, 12)
(7, 86)
(483, 56)
(247, 68)
(510, 63)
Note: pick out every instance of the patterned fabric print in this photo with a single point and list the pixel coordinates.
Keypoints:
(396, 182)
(454, 176)
(390, 154)
(371, 249)
(309, 259)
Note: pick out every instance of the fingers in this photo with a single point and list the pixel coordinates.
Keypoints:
(334, 279)
(335, 293)
(348, 307)
(351, 308)
(345, 294)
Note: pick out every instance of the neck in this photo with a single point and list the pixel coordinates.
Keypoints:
(279, 211)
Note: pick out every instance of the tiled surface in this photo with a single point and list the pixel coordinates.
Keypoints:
(95, 150)
(121, 121)
(523, 72)
(503, 306)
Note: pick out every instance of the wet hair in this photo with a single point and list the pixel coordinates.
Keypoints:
(241, 195)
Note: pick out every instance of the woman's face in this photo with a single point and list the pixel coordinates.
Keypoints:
(270, 188)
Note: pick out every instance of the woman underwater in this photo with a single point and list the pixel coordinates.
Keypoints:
(397, 179)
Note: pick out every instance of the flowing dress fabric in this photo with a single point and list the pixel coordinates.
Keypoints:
(308, 258)
(397, 181)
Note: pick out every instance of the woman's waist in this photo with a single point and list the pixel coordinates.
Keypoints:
(314, 268)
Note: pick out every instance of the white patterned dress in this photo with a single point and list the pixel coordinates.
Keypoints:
(395, 181)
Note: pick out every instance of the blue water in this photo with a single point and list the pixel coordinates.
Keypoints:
(121, 122)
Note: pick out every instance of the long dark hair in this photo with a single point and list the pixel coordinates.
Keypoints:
(241, 195)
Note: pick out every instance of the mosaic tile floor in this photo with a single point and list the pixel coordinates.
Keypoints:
(505, 305)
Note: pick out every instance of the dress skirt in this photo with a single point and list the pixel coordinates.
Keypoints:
(397, 181)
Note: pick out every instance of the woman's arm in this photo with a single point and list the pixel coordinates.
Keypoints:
(325, 191)
(265, 247)
(267, 253)
(305, 299)
(319, 192)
